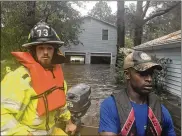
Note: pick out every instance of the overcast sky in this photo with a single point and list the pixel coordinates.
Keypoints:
(113, 4)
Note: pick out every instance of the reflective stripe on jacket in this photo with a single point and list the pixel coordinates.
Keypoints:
(18, 112)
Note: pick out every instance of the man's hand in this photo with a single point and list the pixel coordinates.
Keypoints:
(70, 127)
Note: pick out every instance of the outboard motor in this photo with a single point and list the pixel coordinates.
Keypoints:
(78, 102)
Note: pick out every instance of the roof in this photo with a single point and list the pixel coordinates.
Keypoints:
(174, 37)
(88, 16)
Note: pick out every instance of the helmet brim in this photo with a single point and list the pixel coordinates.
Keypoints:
(59, 58)
(58, 43)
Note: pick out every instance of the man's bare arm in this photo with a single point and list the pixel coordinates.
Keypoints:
(107, 134)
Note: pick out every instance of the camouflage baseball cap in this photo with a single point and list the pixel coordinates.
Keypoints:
(140, 61)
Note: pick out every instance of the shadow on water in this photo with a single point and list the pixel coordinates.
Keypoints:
(99, 77)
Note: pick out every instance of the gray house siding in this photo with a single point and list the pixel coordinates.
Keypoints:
(173, 78)
(170, 51)
(91, 37)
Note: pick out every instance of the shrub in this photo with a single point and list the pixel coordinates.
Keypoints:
(119, 69)
(160, 76)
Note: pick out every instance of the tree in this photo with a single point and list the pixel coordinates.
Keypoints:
(140, 19)
(162, 25)
(63, 18)
(31, 7)
(120, 24)
(120, 27)
(102, 11)
(18, 17)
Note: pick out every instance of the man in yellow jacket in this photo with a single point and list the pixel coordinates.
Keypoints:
(33, 96)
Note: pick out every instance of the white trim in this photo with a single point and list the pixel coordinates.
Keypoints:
(11, 104)
(42, 132)
(81, 53)
(89, 57)
(37, 120)
(159, 46)
(107, 34)
(75, 52)
(87, 52)
(111, 59)
(3, 133)
(100, 52)
(9, 125)
(171, 38)
(87, 16)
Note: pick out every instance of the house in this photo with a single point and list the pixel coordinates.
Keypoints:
(168, 47)
(99, 40)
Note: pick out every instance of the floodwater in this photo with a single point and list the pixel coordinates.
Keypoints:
(101, 79)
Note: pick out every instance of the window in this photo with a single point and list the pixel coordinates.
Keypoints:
(104, 34)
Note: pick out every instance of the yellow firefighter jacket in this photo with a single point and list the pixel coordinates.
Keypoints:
(18, 111)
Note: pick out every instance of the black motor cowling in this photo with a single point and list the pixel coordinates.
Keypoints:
(78, 99)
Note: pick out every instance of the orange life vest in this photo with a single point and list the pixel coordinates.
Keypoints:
(49, 88)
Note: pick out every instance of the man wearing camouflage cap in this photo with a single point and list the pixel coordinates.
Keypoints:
(136, 110)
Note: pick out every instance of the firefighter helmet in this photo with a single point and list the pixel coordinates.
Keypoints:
(43, 33)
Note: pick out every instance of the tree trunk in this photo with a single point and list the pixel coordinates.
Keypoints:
(120, 24)
(139, 20)
(0, 20)
(29, 20)
(138, 27)
(31, 5)
(0, 17)
(120, 27)
(138, 35)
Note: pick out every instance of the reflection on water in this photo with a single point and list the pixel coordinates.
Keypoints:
(101, 79)
(77, 59)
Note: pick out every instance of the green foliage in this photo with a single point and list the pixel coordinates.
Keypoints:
(102, 11)
(18, 17)
(156, 26)
(122, 53)
(63, 18)
(11, 33)
(164, 24)
(160, 76)
(128, 42)
(119, 69)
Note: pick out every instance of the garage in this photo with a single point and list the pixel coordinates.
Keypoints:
(75, 57)
(100, 58)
